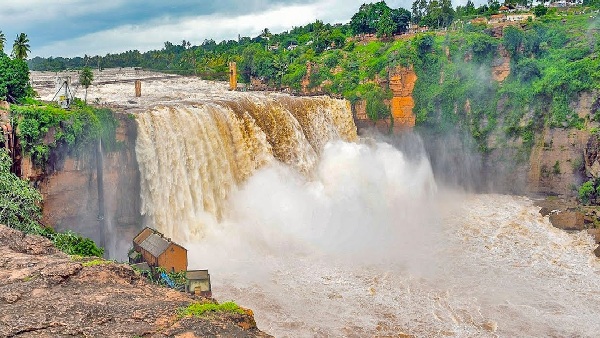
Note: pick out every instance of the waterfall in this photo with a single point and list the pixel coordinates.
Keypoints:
(191, 155)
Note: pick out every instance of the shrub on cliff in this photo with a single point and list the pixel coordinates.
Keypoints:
(587, 192)
(19, 203)
(44, 127)
(72, 243)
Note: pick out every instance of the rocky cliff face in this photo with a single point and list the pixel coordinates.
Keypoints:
(501, 64)
(556, 164)
(45, 293)
(402, 83)
(70, 191)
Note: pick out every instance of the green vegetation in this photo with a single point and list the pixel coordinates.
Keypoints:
(14, 79)
(2, 41)
(203, 308)
(588, 192)
(72, 243)
(96, 262)
(437, 13)
(19, 203)
(378, 18)
(44, 127)
(154, 276)
(556, 168)
(540, 10)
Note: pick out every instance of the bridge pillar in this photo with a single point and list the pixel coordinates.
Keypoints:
(138, 88)
(232, 76)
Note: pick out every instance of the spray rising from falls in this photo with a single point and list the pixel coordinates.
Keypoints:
(326, 237)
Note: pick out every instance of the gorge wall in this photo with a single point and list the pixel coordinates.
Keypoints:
(554, 164)
(70, 190)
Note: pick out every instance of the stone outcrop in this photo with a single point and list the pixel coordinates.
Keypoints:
(568, 220)
(46, 293)
(402, 83)
(595, 233)
(592, 157)
(501, 64)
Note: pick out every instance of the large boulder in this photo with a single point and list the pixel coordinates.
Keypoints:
(568, 220)
(596, 234)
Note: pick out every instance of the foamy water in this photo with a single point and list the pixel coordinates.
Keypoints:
(498, 269)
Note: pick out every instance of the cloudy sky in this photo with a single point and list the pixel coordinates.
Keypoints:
(78, 27)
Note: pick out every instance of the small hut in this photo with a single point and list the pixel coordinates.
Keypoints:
(198, 282)
(158, 251)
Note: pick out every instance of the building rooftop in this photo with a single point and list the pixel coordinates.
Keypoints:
(196, 274)
(155, 244)
(142, 235)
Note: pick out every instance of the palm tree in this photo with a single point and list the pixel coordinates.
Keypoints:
(2, 41)
(21, 46)
(85, 79)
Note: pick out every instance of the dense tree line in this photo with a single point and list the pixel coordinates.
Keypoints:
(433, 13)
(378, 18)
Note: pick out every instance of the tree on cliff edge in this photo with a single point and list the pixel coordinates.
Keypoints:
(21, 47)
(85, 78)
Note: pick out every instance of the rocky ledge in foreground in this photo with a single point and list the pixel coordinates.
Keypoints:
(46, 293)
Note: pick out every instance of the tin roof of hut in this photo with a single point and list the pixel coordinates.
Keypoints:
(155, 244)
(196, 274)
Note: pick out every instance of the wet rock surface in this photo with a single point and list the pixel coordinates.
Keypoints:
(46, 293)
(569, 216)
(568, 220)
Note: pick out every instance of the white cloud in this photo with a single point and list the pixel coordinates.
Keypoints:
(28, 13)
(195, 29)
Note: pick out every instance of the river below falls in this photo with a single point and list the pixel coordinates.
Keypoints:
(496, 268)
